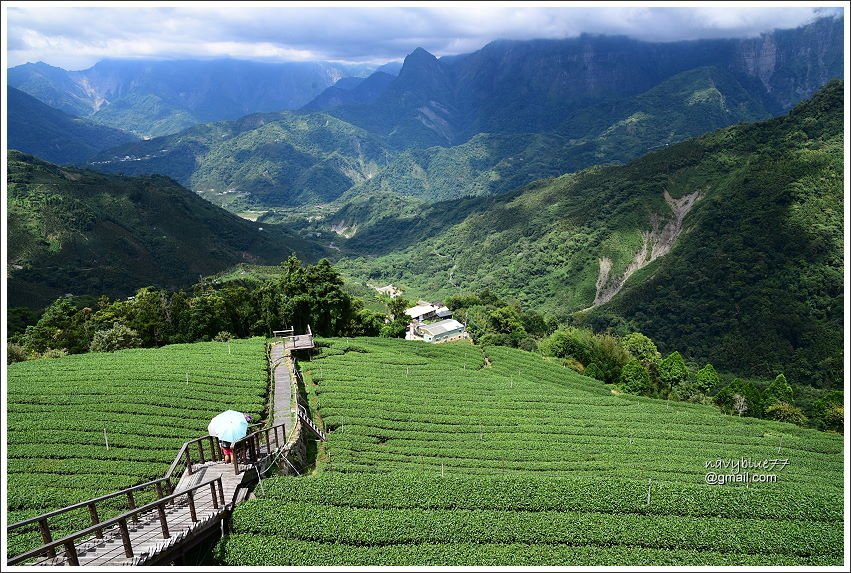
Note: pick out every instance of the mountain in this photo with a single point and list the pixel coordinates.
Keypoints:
(82, 232)
(346, 93)
(41, 130)
(273, 160)
(279, 160)
(609, 131)
(151, 98)
(728, 247)
(488, 122)
(532, 86)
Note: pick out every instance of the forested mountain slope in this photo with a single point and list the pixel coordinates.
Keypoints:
(727, 247)
(37, 128)
(81, 232)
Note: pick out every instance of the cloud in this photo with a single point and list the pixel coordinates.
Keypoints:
(75, 37)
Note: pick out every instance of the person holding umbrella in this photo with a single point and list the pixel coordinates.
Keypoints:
(229, 427)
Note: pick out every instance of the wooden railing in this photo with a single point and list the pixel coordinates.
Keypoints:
(305, 419)
(183, 460)
(248, 450)
(162, 486)
(69, 542)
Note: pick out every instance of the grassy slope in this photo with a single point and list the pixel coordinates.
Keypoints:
(59, 409)
(448, 455)
(768, 228)
(88, 233)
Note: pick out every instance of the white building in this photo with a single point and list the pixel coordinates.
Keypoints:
(427, 311)
(443, 331)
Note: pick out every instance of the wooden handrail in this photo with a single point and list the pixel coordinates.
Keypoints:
(116, 520)
(83, 504)
(251, 442)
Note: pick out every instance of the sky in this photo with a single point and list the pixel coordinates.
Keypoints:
(76, 36)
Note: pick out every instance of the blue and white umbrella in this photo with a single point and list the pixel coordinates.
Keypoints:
(229, 426)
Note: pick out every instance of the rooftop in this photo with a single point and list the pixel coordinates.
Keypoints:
(442, 327)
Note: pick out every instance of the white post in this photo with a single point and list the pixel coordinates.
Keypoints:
(187, 378)
(105, 439)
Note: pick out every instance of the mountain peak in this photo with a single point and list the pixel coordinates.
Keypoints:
(419, 55)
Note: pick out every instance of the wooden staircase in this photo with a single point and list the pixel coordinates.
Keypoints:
(309, 424)
(204, 493)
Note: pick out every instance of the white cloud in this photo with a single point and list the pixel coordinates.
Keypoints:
(76, 37)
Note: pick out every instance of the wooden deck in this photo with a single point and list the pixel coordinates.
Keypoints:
(215, 489)
(299, 342)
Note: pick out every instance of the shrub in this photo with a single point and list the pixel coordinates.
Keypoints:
(54, 353)
(785, 412)
(118, 337)
(15, 353)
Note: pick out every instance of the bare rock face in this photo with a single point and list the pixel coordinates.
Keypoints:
(793, 64)
(655, 243)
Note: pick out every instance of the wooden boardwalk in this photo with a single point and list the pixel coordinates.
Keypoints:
(284, 407)
(198, 502)
(299, 342)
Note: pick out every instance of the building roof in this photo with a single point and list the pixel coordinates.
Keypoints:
(442, 327)
(420, 310)
(443, 312)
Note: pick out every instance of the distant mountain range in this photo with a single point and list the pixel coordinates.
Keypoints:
(537, 86)
(501, 117)
(151, 98)
(81, 232)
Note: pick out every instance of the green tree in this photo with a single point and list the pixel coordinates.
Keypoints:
(635, 378)
(576, 343)
(778, 391)
(642, 349)
(62, 326)
(609, 356)
(673, 370)
(828, 412)
(753, 400)
(706, 379)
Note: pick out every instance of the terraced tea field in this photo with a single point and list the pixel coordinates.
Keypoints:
(87, 425)
(445, 455)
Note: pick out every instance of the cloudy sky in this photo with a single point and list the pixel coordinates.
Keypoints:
(77, 36)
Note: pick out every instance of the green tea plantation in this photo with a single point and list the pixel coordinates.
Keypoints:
(458, 455)
(87, 425)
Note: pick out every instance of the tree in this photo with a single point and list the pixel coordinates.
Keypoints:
(609, 356)
(828, 412)
(118, 337)
(740, 404)
(61, 326)
(641, 348)
(778, 391)
(673, 370)
(706, 379)
(635, 378)
(573, 343)
(753, 400)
